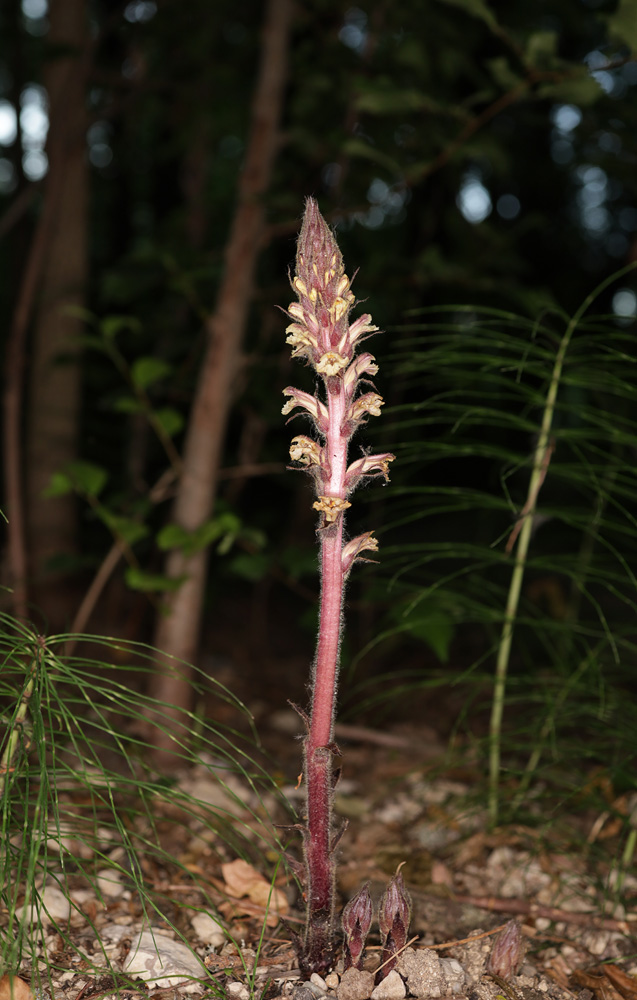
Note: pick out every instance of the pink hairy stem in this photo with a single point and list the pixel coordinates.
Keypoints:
(321, 334)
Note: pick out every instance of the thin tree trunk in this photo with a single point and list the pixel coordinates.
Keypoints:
(178, 630)
(62, 125)
(55, 377)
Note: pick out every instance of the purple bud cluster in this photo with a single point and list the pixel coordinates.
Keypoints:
(394, 917)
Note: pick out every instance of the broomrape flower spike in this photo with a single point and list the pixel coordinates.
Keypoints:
(321, 334)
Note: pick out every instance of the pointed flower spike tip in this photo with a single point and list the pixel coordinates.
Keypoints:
(356, 921)
(317, 251)
(320, 328)
(507, 952)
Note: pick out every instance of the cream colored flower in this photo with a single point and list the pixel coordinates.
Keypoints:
(331, 507)
(304, 450)
(369, 402)
(332, 363)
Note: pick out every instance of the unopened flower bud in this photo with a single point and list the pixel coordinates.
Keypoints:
(507, 952)
(356, 921)
(394, 916)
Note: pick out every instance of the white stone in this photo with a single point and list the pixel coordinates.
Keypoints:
(109, 882)
(53, 907)
(158, 959)
(238, 990)
(423, 972)
(355, 984)
(391, 988)
(208, 929)
(453, 974)
(317, 980)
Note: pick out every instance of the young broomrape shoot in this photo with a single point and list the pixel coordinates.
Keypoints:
(507, 952)
(356, 920)
(320, 333)
(394, 916)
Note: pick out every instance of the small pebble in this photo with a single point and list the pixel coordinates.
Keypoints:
(391, 988)
(355, 985)
(109, 882)
(238, 990)
(208, 930)
(332, 981)
(54, 907)
(317, 980)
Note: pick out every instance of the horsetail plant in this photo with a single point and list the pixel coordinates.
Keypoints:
(321, 334)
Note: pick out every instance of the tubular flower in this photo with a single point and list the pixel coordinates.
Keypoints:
(305, 451)
(331, 507)
(332, 363)
(369, 465)
(314, 406)
(353, 550)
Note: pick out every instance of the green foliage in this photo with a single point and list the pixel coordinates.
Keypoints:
(145, 371)
(390, 120)
(476, 384)
(78, 797)
(85, 478)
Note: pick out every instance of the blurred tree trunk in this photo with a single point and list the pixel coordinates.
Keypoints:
(55, 375)
(178, 629)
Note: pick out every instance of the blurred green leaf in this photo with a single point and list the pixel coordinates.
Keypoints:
(436, 630)
(541, 48)
(171, 420)
(128, 404)
(60, 484)
(226, 525)
(477, 8)
(622, 24)
(137, 579)
(126, 528)
(172, 536)
(252, 566)
(582, 89)
(82, 476)
(145, 371)
(384, 97)
(111, 326)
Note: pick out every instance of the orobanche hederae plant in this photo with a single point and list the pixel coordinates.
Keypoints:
(321, 334)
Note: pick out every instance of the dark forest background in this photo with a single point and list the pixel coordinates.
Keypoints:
(477, 160)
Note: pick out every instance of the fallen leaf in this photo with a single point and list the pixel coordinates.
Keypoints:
(14, 988)
(623, 983)
(599, 984)
(242, 879)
